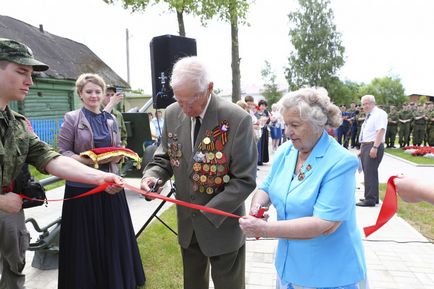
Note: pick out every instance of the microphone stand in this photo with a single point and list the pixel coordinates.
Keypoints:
(154, 214)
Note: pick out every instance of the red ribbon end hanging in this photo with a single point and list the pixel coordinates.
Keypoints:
(388, 208)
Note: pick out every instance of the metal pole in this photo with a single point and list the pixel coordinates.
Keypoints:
(128, 56)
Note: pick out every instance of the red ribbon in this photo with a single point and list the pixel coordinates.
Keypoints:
(102, 188)
(94, 191)
(388, 208)
(182, 203)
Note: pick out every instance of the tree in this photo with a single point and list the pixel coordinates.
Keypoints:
(387, 90)
(271, 90)
(343, 92)
(232, 11)
(318, 51)
(180, 7)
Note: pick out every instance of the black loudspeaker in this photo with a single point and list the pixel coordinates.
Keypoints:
(165, 51)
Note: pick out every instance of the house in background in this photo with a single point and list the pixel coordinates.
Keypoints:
(52, 94)
(416, 97)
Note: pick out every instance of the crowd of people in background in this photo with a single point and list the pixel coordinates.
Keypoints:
(409, 124)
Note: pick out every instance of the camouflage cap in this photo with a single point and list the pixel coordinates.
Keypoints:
(13, 51)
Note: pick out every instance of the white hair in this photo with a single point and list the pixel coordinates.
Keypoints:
(314, 106)
(190, 70)
(369, 98)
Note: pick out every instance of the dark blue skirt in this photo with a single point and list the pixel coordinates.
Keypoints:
(98, 248)
(276, 132)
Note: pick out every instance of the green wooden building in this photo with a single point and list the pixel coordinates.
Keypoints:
(52, 93)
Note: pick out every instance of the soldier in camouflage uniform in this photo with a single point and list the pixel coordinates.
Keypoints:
(430, 125)
(419, 126)
(405, 118)
(19, 145)
(392, 127)
(353, 122)
(112, 98)
(360, 119)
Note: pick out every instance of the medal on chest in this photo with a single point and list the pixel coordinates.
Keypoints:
(210, 166)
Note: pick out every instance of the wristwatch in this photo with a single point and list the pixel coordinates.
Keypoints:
(374, 147)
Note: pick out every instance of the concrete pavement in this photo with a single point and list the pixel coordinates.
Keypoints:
(397, 255)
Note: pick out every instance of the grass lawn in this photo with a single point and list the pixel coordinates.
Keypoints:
(161, 256)
(420, 215)
(37, 175)
(418, 160)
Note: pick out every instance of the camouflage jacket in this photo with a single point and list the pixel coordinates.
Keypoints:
(19, 145)
(121, 125)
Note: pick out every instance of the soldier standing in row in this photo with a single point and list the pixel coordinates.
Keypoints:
(392, 127)
(430, 125)
(405, 117)
(419, 126)
(354, 111)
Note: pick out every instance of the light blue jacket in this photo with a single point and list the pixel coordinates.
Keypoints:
(327, 192)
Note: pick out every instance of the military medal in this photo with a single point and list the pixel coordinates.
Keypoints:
(226, 179)
(218, 180)
(197, 167)
(174, 149)
(196, 177)
(213, 169)
(210, 168)
(205, 168)
(301, 176)
(203, 179)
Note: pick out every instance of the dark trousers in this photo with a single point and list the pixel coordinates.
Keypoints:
(227, 270)
(354, 136)
(14, 241)
(343, 135)
(370, 171)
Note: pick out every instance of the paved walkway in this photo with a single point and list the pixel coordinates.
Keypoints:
(390, 264)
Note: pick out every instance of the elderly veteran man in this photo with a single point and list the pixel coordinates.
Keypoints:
(19, 145)
(208, 145)
(372, 137)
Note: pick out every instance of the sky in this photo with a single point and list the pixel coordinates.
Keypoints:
(381, 38)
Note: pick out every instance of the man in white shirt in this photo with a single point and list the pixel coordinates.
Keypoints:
(372, 137)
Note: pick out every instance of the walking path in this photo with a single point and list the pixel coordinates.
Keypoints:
(390, 264)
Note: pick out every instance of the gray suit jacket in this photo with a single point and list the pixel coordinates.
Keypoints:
(216, 235)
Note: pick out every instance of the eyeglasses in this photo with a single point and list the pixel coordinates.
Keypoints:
(190, 102)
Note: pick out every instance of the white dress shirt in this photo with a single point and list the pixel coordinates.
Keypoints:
(375, 120)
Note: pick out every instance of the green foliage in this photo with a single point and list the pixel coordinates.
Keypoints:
(271, 90)
(343, 92)
(419, 215)
(387, 91)
(231, 11)
(318, 51)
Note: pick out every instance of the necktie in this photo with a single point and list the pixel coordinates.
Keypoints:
(196, 129)
(363, 127)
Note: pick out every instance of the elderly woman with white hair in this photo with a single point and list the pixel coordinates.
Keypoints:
(311, 184)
